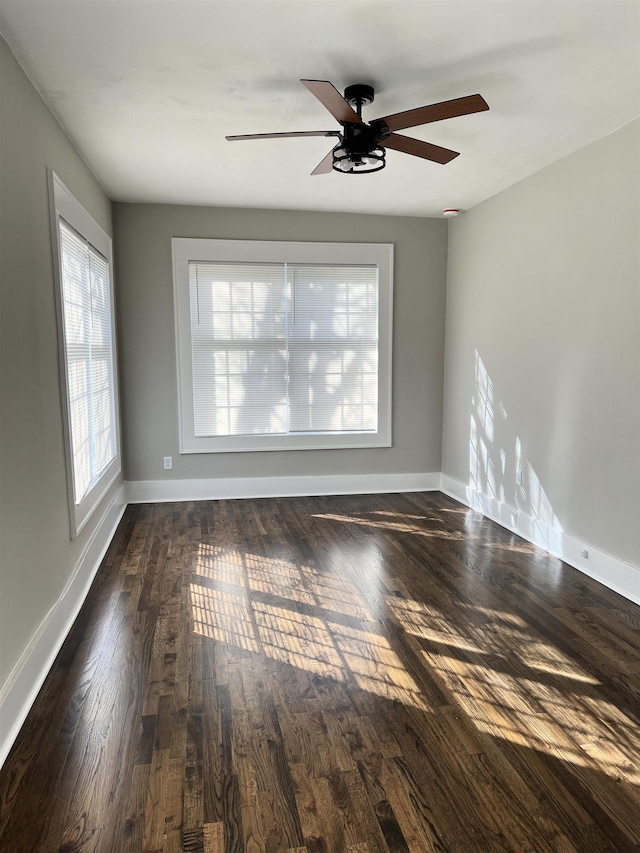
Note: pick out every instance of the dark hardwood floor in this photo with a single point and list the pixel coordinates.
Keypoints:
(358, 674)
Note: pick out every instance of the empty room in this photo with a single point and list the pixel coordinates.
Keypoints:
(320, 426)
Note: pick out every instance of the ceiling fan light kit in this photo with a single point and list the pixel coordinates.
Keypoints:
(362, 147)
(355, 163)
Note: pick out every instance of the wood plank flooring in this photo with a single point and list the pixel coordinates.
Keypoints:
(357, 674)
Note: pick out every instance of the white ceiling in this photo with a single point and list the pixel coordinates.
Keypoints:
(148, 89)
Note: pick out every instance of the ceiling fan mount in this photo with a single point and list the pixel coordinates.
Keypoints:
(361, 147)
(359, 95)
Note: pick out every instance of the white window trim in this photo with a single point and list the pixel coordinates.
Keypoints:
(185, 250)
(63, 204)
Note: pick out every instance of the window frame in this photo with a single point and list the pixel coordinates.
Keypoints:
(64, 205)
(185, 250)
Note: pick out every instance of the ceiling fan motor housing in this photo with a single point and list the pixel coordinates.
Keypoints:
(360, 138)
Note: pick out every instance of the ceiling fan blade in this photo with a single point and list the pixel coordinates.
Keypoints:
(283, 135)
(329, 97)
(325, 165)
(436, 112)
(419, 148)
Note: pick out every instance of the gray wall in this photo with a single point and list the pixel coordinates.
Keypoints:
(148, 359)
(543, 310)
(37, 556)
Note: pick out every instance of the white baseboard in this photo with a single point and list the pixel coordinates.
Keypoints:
(160, 491)
(28, 675)
(615, 574)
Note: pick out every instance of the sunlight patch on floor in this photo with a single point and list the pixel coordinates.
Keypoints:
(222, 617)
(513, 684)
(336, 593)
(523, 548)
(277, 577)
(389, 514)
(220, 564)
(375, 666)
(267, 613)
(389, 525)
(540, 655)
(298, 639)
(528, 691)
(427, 622)
(540, 716)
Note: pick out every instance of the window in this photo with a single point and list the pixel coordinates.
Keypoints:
(283, 346)
(82, 264)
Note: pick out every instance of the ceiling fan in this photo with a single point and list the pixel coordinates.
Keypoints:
(361, 146)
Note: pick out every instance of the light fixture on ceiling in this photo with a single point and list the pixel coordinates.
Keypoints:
(354, 162)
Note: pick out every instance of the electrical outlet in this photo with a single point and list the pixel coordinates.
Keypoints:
(168, 463)
(584, 553)
(518, 476)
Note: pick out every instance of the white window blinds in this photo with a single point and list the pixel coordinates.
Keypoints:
(86, 307)
(283, 349)
(238, 348)
(333, 348)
